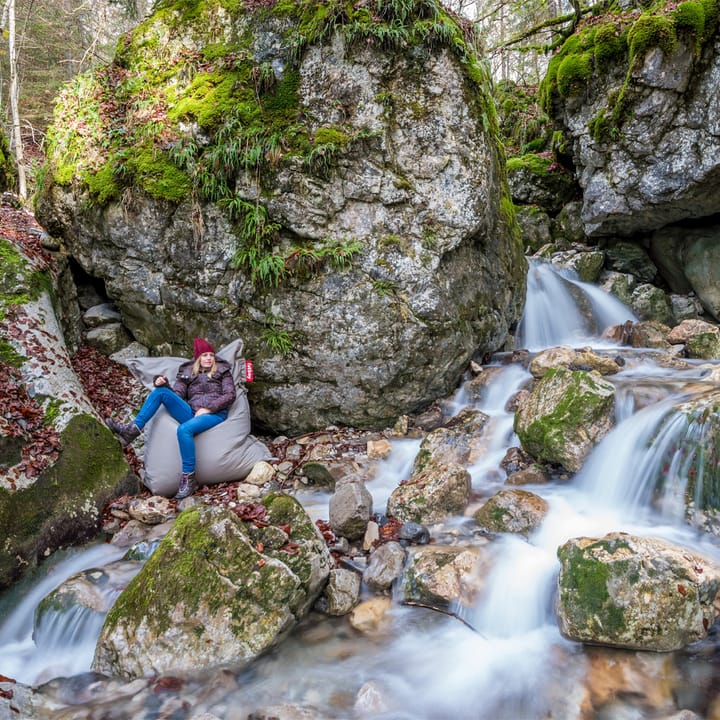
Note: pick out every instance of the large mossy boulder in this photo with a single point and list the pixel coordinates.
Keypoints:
(634, 592)
(324, 180)
(59, 464)
(631, 90)
(218, 590)
(565, 416)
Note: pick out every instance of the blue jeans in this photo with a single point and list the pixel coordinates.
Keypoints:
(190, 424)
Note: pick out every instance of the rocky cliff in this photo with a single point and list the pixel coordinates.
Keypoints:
(323, 181)
(634, 93)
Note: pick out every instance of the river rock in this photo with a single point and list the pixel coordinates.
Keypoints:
(431, 495)
(635, 592)
(214, 592)
(151, 511)
(563, 356)
(511, 510)
(650, 302)
(460, 440)
(566, 414)
(378, 193)
(350, 508)
(385, 566)
(442, 576)
(342, 592)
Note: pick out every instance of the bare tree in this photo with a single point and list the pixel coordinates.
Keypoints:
(8, 23)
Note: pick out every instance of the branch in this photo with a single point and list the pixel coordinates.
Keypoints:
(535, 29)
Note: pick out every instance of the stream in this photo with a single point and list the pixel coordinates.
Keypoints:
(506, 658)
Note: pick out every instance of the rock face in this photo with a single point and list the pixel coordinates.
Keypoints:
(59, 464)
(664, 163)
(645, 140)
(216, 591)
(641, 593)
(365, 252)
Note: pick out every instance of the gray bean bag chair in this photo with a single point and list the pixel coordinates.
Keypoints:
(224, 453)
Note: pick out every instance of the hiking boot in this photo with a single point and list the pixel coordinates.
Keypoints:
(187, 485)
(126, 433)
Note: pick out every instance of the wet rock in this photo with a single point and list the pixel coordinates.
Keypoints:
(286, 712)
(563, 356)
(613, 674)
(135, 532)
(649, 302)
(635, 592)
(350, 509)
(209, 596)
(378, 449)
(414, 533)
(94, 589)
(515, 511)
(646, 334)
(385, 566)
(431, 495)
(440, 576)
(370, 701)
(342, 591)
(372, 616)
(533, 475)
(460, 440)
(566, 415)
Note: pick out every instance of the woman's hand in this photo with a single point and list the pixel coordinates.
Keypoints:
(160, 380)
(202, 411)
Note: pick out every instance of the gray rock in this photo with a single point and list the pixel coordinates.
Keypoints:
(385, 566)
(102, 314)
(350, 508)
(342, 591)
(566, 414)
(633, 592)
(441, 274)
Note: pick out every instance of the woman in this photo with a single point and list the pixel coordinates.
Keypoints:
(203, 391)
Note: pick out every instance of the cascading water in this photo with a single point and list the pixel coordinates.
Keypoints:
(553, 316)
(508, 660)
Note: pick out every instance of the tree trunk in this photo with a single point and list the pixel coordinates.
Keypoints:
(15, 101)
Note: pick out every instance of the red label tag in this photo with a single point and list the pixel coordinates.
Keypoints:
(249, 372)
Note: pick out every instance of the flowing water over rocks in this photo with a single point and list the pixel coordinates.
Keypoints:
(503, 655)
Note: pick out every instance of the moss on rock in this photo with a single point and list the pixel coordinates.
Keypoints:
(64, 505)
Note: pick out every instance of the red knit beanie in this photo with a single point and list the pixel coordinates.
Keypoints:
(201, 346)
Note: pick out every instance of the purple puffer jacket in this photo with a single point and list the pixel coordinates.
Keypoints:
(215, 393)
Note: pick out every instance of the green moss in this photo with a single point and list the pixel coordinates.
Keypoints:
(103, 185)
(573, 73)
(19, 282)
(689, 17)
(536, 164)
(650, 31)
(609, 45)
(158, 176)
(584, 590)
(64, 505)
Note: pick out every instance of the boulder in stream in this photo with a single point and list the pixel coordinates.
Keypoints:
(566, 414)
(635, 592)
(218, 590)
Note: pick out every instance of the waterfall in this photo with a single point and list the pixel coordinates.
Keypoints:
(560, 309)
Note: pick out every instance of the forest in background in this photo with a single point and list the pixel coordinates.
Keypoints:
(51, 41)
